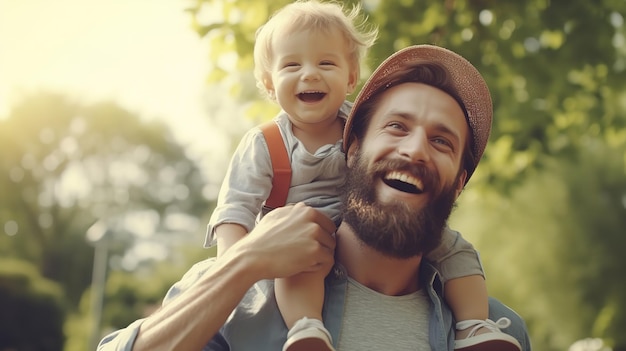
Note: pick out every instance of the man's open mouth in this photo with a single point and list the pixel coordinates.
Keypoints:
(404, 182)
(311, 96)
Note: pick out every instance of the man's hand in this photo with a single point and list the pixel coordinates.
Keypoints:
(289, 240)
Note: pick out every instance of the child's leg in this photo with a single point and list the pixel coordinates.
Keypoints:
(301, 295)
(300, 299)
(469, 301)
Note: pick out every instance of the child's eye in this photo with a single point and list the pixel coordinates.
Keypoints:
(327, 63)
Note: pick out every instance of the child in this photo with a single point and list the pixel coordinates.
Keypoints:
(307, 58)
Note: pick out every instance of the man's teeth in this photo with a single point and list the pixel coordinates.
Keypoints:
(405, 178)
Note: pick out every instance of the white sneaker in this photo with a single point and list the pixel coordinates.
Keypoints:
(308, 335)
(494, 340)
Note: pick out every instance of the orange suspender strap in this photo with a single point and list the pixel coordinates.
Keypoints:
(280, 165)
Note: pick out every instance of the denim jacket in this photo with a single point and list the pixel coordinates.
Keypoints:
(256, 324)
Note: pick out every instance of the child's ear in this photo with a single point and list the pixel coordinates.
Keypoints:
(271, 93)
(269, 88)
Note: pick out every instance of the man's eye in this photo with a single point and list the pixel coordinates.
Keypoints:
(395, 125)
(442, 141)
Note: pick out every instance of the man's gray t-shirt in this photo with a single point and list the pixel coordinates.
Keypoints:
(373, 321)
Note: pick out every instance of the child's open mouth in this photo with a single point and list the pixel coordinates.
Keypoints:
(311, 96)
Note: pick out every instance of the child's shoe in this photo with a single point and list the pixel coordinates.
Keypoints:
(492, 340)
(308, 335)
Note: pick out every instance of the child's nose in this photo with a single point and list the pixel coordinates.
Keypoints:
(310, 73)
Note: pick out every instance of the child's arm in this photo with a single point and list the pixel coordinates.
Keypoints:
(227, 235)
(246, 185)
(455, 257)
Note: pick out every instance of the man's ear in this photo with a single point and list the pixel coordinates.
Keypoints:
(460, 183)
(352, 151)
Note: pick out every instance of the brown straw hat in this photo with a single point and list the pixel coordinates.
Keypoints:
(467, 83)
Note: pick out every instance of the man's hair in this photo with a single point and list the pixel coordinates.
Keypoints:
(313, 15)
(429, 73)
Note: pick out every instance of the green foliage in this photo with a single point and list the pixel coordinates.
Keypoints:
(133, 295)
(553, 248)
(33, 309)
(78, 328)
(65, 165)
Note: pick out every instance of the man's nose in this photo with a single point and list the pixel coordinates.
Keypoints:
(415, 146)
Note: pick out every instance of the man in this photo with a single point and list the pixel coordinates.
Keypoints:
(412, 141)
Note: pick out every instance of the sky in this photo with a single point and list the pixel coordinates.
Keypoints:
(141, 54)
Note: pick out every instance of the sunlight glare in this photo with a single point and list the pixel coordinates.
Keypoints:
(142, 224)
(10, 228)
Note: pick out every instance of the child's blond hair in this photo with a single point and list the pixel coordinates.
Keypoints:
(313, 15)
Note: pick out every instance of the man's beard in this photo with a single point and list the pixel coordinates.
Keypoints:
(394, 229)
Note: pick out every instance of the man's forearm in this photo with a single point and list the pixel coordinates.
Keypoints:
(192, 319)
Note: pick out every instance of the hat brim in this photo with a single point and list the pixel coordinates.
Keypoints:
(467, 83)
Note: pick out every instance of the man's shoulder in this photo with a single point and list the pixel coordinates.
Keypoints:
(517, 329)
(190, 277)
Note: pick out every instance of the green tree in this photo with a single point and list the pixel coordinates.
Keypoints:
(553, 247)
(33, 309)
(66, 165)
(133, 295)
(129, 296)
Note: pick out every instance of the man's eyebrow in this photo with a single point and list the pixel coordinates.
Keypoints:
(393, 113)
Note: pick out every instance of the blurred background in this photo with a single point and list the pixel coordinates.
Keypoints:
(117, 120)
